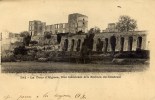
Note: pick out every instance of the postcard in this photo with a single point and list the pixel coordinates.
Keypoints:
(77, 50)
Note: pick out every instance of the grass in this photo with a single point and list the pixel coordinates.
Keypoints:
(55, 67)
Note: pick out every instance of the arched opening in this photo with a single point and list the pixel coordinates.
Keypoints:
(106, 44)
(72, 45)
(65, 44)
(99, 45)
(139, 42)
(113, 43)
(78, 45)
(122, 44)
(130, 42)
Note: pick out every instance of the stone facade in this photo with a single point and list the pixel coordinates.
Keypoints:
(36, 27)
(111, 28)
(57, 28)
(74, 42)
(128, 41)
(77, 22)
(52, 41)
(9, 42)
(70, 36)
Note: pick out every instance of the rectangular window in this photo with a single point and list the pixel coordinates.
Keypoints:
(30, 28)
(56, 26)
(32, 23)
(63, 25)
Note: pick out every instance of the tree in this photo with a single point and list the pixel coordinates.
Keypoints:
(126, 24)
(94, 30)
(99, 45)
(33, 42)
(84, 51)
(87, 46)
(24, 34)
(26, 37)
(20, 50)
(47, 35)
(90, 41)
(113, 43)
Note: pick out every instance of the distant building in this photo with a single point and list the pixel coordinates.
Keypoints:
(111, 27)
(36, 27)
(14, 35)
(9, 37)
(65, 36)
(57, 28)
(77, 22)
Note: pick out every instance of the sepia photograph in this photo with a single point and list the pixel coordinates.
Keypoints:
(45, 38)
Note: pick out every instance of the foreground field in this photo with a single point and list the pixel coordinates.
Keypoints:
(55, 67)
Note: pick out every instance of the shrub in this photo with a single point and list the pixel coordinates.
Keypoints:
(8, 59)
(141, 54)
(20, 50)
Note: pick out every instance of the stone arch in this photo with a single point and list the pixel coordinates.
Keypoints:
(106, 45)
(122, 44)
(66, 45)
(99, 45)
(72, 45)
(78, 45)
(139, 42)
(113, 43)
(130, 43)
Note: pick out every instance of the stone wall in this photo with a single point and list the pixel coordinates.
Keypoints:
(70, 40)
(131, 41)
(42, 41)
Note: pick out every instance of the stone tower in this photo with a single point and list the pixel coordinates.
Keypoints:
(77, 23)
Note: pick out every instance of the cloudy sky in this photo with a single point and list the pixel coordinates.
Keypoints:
(15, 14)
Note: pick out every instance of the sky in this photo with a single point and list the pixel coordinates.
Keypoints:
(16, 14)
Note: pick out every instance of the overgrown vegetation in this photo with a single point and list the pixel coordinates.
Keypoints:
(26, 37)
(125, 24)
